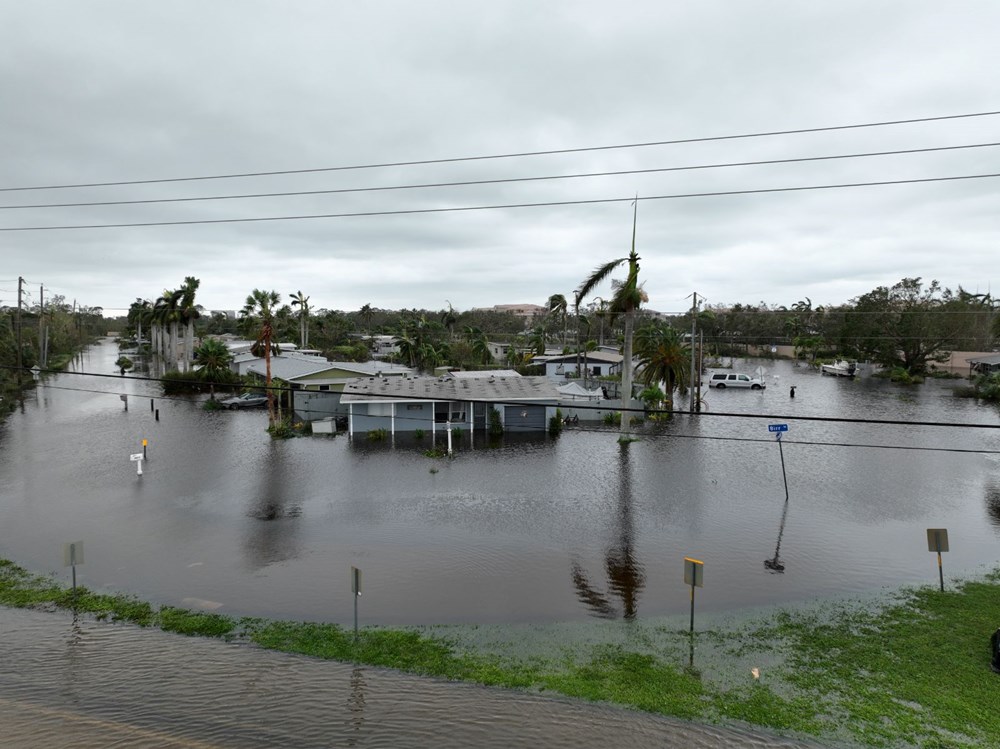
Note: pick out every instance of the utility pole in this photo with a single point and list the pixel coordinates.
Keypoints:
(41, 326)
(694, 325)
(20, 292)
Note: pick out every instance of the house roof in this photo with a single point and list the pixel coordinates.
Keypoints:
(577, 391)
(294, 366)
(287, 368)
(592, 356)
(994, 359)
(382, 389)
(475, 375)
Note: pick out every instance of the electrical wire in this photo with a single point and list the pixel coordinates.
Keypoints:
(504, 206)
(507, 180)
(543, 430)
(278, 389)
(706, 139)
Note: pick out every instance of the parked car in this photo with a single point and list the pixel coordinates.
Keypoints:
(735, 380)
(247, 400)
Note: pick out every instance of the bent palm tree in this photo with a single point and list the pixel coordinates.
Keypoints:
(259, 313)
(628, 296)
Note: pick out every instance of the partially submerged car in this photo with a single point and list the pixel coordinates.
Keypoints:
(735, 380)
(247, 400)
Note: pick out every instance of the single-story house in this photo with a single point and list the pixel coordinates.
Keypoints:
(406, 404)
(984, 365)
(598, 364)
(316, 392)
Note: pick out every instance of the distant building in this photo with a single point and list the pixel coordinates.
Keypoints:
(518, 310)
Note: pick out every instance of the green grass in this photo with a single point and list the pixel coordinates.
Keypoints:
(912, 671)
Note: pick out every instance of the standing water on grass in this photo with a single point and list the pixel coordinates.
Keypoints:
(534, 530)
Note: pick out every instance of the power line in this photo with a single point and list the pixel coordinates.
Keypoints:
(548, 204)
(522, 154)
(790, 417)
(507, 180)
(590, 430)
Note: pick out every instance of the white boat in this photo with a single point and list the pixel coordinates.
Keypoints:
(840, 368)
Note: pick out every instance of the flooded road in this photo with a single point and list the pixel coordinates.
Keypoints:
(88, 685)
(536, 530)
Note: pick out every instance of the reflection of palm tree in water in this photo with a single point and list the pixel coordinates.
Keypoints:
(269, 540)
(776, 565)
(624, 573)
(993, 503)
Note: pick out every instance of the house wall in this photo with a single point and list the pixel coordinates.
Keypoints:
(310, 405)
(413, 416)
(409, 417)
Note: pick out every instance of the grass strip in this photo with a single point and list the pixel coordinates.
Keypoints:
(911, 671)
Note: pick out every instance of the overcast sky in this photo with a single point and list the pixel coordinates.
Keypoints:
(129, 90)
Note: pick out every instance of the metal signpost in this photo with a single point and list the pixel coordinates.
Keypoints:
(937, 540)
(137, 459)
(144, 443)
(778, 430)
(356, 590)
(694, 575)
(72, 556)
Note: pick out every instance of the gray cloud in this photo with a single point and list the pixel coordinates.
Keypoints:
(121, 91)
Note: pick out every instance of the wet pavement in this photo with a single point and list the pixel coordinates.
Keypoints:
(88, 685)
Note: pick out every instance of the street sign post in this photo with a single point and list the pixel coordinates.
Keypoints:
(694, 575)
(137, 459)
(778, 430)
(937, 540)
(72, 556)
(356, 590)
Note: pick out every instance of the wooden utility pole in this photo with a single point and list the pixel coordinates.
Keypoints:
(20, 293)
(694, 325)
(41, 326)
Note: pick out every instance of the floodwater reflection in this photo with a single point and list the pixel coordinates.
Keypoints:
(272, 535)
(775, 564)
(993, 503)
(624, 572)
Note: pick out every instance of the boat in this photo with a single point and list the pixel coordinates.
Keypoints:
(840, 368)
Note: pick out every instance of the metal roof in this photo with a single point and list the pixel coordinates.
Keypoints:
(383, 389)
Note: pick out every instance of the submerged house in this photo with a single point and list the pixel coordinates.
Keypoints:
(406, 404)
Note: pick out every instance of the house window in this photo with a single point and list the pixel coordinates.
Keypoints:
(324, 387)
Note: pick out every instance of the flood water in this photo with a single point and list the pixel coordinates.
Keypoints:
(535, 530)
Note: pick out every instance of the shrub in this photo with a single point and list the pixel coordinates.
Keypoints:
(418, 434)
(377, 435)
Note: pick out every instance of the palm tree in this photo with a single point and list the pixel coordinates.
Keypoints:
(213, 356)
(365, 313)
(259, 312)
(479, 344)
(663, 357)
(537, 340)
(627, 299)
(302, 302)
(449, 319)
(189, 312)
(557, 306)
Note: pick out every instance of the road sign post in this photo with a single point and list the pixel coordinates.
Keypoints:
(937, 540)
(694, 575)
(356, 590)
(137, 459)
(72, 556)
(778, 430)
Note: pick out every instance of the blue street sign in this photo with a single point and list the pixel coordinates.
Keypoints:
(777, 427)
